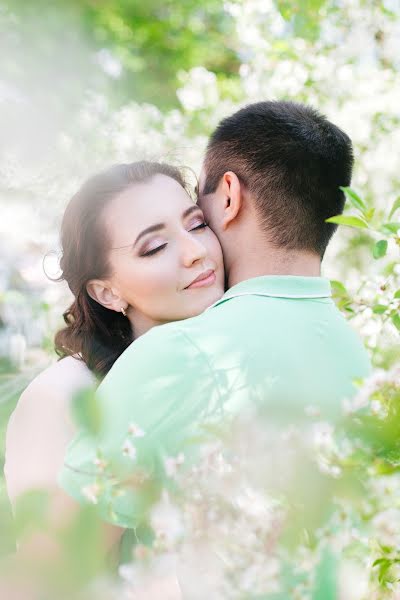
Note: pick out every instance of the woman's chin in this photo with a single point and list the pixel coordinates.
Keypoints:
(203, 300)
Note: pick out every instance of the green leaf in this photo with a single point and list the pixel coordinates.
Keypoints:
(354, 199)
(85, 533)
(396, 206)
(379, 309)
(397, 295)
(390, 227)
(396, 320)
(338, 288)
(379, 561)
(386, 549)
(86, 410)
(348, 220)
(369, 214)
(379, 249)
(349, 309)
(31, 511)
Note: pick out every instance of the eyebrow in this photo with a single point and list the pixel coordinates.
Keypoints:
(159, 226)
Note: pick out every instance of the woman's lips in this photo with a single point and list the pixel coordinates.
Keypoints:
(204, 280)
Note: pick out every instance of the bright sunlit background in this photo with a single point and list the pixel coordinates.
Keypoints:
(85, 83)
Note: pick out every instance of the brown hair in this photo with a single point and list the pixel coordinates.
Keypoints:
(96, 334)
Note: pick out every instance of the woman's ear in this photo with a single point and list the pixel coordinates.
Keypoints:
(232, 190)
(103, 294)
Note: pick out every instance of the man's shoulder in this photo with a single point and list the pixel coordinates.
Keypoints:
(165, 349)
(169, 338)
(160, 382)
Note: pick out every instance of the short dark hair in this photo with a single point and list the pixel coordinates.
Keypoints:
(293, 162)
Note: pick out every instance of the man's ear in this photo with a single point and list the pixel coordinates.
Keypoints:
(232, 191)
(102, 292)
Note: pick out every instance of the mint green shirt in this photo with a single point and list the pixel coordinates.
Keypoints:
(278, 343)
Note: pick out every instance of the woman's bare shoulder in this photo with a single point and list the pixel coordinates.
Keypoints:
(65, 376)
(49, 395)
(41, 425)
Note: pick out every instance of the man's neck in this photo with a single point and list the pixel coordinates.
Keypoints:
(300, 263)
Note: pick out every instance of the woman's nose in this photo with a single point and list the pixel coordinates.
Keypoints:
(192, 250)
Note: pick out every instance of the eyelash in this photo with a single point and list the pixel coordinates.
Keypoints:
(202, 226)
(155, 250)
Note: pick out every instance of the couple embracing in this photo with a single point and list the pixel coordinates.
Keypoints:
(189, 311)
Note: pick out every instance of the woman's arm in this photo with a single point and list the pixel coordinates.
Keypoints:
(41, 426)
(38, 433)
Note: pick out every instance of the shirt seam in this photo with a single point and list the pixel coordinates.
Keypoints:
(269, 295)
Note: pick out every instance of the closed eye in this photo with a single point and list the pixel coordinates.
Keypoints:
(201, 226)
(154, 251)
(159, 248)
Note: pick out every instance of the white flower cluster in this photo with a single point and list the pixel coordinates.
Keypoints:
(223, 529)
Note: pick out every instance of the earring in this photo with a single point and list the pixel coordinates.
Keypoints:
(123, 311)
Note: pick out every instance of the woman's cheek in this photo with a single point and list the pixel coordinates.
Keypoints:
(157, 277)
(215, 250)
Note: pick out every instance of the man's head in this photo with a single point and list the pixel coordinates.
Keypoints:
(275, 168)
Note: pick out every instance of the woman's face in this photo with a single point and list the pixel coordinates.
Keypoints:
(160, 245)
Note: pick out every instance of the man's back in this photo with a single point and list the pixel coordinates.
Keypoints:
(278, 343)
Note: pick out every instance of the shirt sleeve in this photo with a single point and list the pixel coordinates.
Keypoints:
(152, 406)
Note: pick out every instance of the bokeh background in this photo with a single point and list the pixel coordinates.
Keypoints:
(86, 83)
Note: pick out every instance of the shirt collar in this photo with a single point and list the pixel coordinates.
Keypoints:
(280, 286)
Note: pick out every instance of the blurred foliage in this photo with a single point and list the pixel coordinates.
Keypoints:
(129, 49)
(87, 82)
(304, 16)
(152, 41)
(12, 384)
